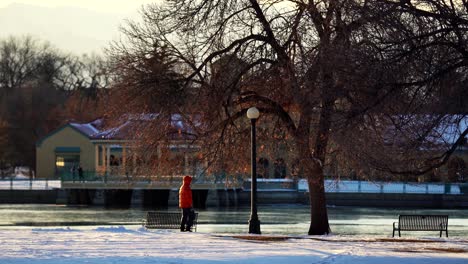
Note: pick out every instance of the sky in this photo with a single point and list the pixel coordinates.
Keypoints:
(73, 26)
(109, 6)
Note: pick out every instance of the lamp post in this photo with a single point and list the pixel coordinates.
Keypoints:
(254, 223)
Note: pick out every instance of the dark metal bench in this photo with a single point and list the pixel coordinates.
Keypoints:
(166, 220)
(421, 223)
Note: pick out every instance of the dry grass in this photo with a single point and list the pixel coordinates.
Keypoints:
(406, 240)
(264, 238)
(417, 250)
(449, 250)
(377, 240)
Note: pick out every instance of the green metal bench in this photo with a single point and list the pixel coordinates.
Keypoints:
(421, 223)
(166, 220)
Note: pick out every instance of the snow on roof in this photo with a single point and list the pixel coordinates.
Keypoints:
(433, 129)
(450, 131)
(120, 132)
(98, 123)
(130, 124)
(87, 128)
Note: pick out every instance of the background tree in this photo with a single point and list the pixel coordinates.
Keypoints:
(27, 93)
(147, 85)
(87, 81)
(431, 47)
(355, 81)
(37, 83)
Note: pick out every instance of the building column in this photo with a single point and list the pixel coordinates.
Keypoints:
(108, 157)
(134, 156)
(96, 157)
(124, 157)
(103, 158)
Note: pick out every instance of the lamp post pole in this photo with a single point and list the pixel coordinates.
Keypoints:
(254, 223)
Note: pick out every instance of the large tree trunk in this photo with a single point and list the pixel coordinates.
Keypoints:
(318, 205)
(315, 179)
(314, 169)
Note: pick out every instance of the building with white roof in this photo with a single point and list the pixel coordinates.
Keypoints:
(101, 151)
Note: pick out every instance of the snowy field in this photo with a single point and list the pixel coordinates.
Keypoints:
(125, 244)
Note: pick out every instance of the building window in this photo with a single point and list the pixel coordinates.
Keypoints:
(280, 169)
(64, 162)
(60, 162)
(114, 161)
(100, 159)
(264, 165)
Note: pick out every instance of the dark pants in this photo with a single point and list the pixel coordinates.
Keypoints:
(187, 221)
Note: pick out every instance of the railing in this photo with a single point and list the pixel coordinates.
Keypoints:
(104, 177)
(29, 184)
(272, 185)
(331, 186)
(388, 187)
(110, 176)
(85, 176)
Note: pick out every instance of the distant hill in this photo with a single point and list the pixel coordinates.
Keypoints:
(71, 29)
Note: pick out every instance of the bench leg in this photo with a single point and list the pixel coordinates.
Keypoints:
(440, 233)
(446, 233)
(393, 234)
(399, 233)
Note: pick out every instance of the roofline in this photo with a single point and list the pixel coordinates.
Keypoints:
(39, 142)
(110, 140)
(172, 141)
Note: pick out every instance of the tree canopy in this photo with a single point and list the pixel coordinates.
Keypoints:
(40, 89)
(369, 83)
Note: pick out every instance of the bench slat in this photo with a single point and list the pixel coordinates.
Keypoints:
(166, 220)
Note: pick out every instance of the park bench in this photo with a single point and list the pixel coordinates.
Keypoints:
(166, 220)
(421, 223)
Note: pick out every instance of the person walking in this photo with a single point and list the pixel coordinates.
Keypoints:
(73, 172)
(186, 203)
(80, 173)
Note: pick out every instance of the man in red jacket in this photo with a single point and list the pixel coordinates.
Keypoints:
(185, 203)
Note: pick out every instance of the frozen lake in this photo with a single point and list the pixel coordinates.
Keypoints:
(275, 219)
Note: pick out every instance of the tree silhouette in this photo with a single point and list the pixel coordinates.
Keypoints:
(354, 81)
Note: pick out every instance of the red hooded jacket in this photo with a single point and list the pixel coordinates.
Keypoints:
(185, 193)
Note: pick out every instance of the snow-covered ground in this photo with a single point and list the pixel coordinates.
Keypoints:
(126, 244)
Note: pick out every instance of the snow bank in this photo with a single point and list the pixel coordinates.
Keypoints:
(119, 244)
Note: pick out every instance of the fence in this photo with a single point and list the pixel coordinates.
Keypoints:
(104, 177)
(29, 184)
(331, 186)
(386, 187)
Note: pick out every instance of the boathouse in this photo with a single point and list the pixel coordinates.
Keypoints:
(103, 151)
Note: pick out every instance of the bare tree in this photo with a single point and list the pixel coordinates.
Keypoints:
(35, 83)
(86, 81)
(331, 78)
(25, 63)
(19, 61)
(429, 121)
